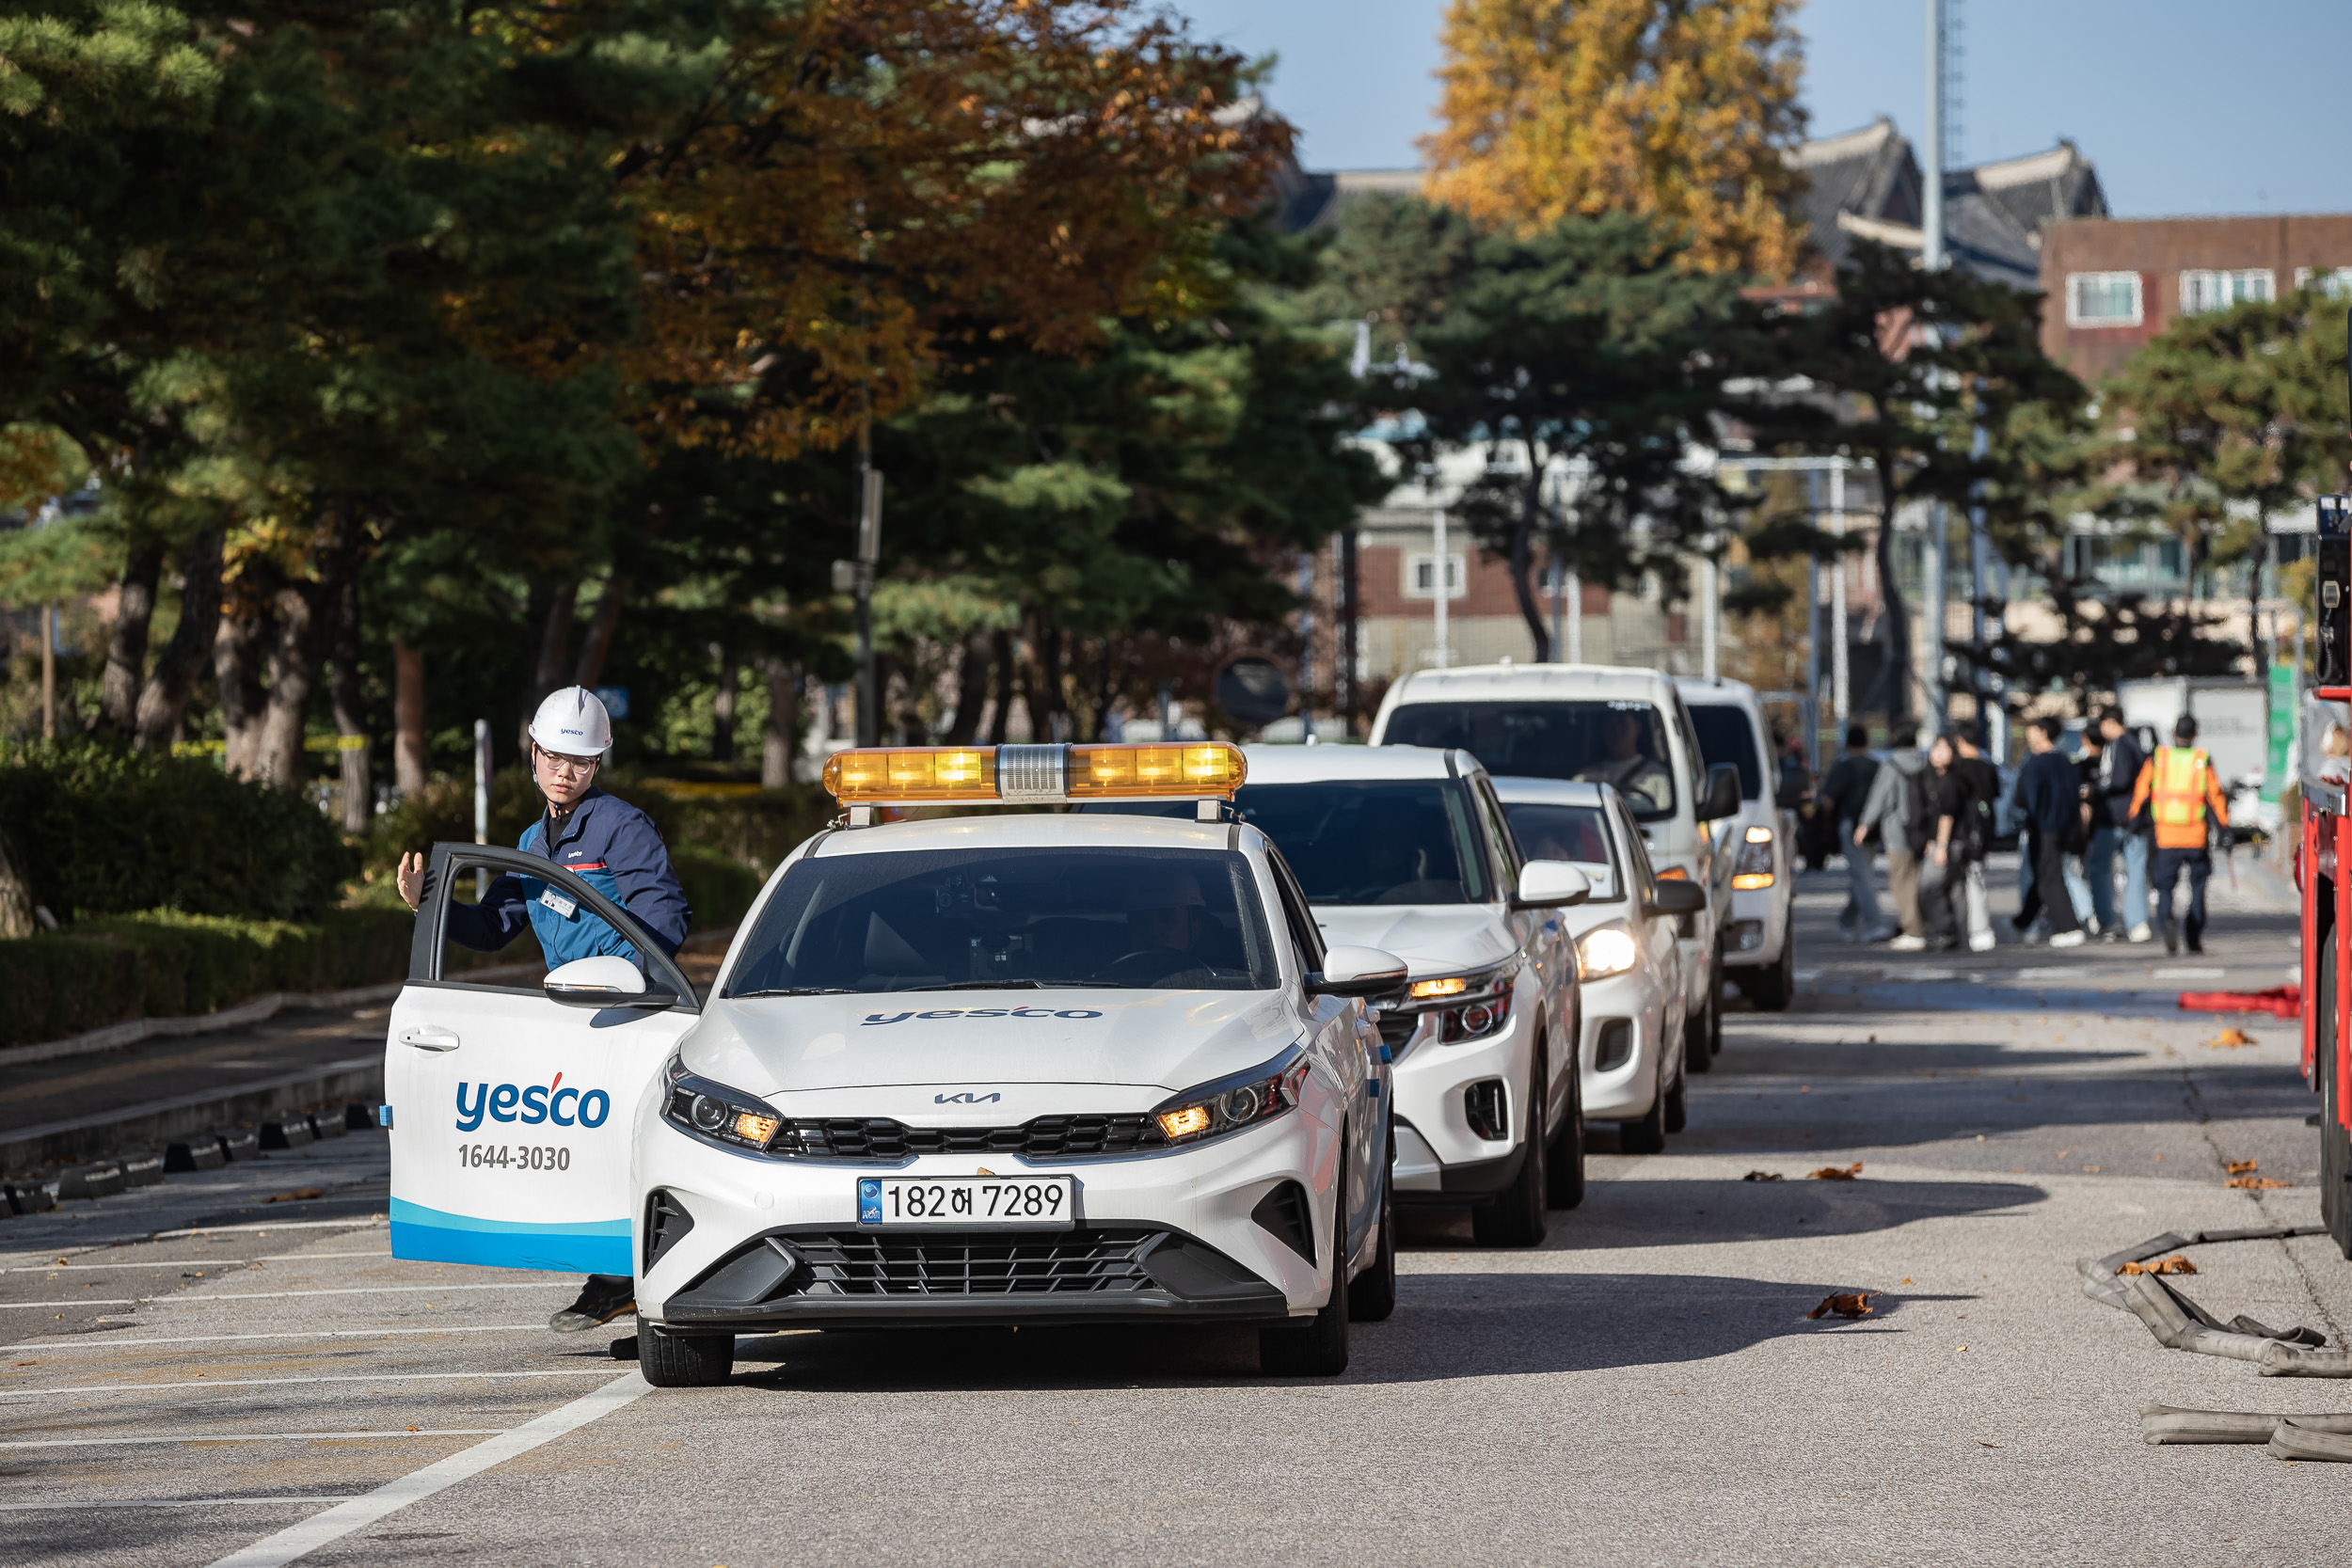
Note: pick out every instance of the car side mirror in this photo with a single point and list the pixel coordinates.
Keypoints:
(1677, 896)
(1550, 885)
(606, 980)
(1358, 971)
(1723, 793)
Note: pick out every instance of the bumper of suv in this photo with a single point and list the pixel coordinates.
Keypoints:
(1235, 1228)
(1758, 926)
(1439, 1157)
(1615, 1008)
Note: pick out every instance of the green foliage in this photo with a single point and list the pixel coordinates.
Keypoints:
(95, 830)
(164, 963)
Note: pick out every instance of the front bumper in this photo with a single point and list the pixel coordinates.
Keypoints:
(1763, 912)
(1626, 1092)
(1171, 1234)
(1439, 1158)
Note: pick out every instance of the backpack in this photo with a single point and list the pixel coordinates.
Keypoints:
(1918, 809)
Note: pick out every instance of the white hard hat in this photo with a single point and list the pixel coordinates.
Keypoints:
(572, 723)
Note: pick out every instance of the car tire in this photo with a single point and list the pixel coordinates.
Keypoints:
(1516, 1217)
(1702, 1035)
(684, 1360)
(1318, 1347)
(1647, 1135)
(1564, 1164)
(1676, 1101)
(2335, 1145)
(1715, 1008)
(1771, 990)
(1372, 1294)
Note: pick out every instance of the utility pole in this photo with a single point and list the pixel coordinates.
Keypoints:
(1840, 671)
(1813, 630)
(1931, 198)
(1348, 612)
(1709, 600)
(1439, 586)
(857, 576)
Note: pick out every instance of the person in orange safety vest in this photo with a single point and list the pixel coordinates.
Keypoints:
(2184, 802)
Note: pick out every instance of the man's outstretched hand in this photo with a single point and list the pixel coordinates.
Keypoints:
(410, 877)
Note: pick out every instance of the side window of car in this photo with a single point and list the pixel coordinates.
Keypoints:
(1694, 759)
(1304, 937)
(1636, 854)
(1501, 843)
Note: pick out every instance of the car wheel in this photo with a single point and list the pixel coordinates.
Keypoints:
(1564, 1165)
(1773, 989)
(1715, 1008)
(1318, 1347)
(2335, 1145)
(1647, 1135)
(684, 1360)
(1675, 1101)
(1701, 1033)
(1516, 1217)
(1372, 1294)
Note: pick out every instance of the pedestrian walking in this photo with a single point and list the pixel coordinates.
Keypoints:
(2185, 806)
(2049, 796)
(1982, 784)
(612, 846)
(1901, 809)
(1943, 873)
(2112, 831)
(1843, 795)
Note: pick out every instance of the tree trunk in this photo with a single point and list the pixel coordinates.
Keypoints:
(597, 644)
(126, 650)
(548, 619)
(409, 759)
(307, 612)
(722, 706)
(780, 740)
(999, 723)
(972, 672)
(1893, 612)
(236, 669)
(165, 701)
(1053, 718)
(359, 785)
(1523, 561)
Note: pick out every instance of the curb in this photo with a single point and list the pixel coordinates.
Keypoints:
(158, 1122)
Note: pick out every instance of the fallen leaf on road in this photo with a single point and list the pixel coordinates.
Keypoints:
(412, 1429)
(1959, 1347)
(1906, 1280)
(1761, 1176)
(1835, 1173)
(2240, 1167)
(1845, 1303)
(2090, 1170)
(2174, 1264)
(1980, 1442)
(2230, 1039)
(300, 1195)
(2255, 1183)
(28, 1362)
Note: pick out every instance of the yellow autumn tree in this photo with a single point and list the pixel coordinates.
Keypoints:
(1681, 109)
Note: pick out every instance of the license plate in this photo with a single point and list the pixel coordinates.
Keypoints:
(1018, 1202)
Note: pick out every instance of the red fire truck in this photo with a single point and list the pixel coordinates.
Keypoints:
(2324, 868)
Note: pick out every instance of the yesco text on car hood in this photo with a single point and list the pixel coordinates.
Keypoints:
(1157, 1040)
(1428, 937)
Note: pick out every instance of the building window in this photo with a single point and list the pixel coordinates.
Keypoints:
(2332, 282)
(2202, 291)
(1420, 576)
(2103, 299)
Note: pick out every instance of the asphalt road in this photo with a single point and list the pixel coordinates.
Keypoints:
(1644, 1387)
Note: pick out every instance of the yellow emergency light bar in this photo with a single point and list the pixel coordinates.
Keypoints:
(893, 775)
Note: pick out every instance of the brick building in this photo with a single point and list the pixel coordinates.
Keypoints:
(2114, 283)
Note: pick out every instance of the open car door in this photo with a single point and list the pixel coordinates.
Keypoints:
(512, 1113)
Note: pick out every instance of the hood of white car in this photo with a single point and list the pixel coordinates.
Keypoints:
(1432, 939)
(1157, 1042)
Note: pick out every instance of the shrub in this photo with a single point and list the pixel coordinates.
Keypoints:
(100, 830)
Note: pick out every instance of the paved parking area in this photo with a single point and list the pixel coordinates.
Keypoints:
(1644, 1387)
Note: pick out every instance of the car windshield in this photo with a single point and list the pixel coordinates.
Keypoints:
(1620, 743)
(1015, 918)
(1726, 737)
(1375, 841)
(1573, 834)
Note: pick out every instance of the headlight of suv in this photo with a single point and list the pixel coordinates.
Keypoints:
(1230, 1104)
(1606, 950)
(1468, 1005)
(1754, 868)
(719, 1114)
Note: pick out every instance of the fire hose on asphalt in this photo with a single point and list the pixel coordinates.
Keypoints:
(2179, 1323)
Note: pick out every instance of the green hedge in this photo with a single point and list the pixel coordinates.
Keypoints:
(165, 964)
(98, 831)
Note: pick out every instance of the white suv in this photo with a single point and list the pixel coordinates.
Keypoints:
(1759, 944)
(1598, 724)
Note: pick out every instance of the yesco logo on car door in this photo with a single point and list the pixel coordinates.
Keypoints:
(531, 1104)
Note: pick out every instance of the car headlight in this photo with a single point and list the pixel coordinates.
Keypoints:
(1231, 1103)
(719, 1114)
(1468, 1007)
(1606, 950)
(1753, 869)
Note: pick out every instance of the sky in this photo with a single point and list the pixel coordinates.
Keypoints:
(2185, 107)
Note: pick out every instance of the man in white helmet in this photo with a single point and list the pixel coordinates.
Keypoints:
(614, 848)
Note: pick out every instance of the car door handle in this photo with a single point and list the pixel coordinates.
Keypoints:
(429, 1036)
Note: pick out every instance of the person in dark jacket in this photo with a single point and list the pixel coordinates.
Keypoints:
(1843, 794)
(2119, 761)
(607, 843)
(2049, 797)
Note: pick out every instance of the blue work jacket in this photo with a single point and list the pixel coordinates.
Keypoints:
(610, 845)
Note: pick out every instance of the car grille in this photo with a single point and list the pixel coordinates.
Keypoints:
(949, 1263)
(1041, 1138)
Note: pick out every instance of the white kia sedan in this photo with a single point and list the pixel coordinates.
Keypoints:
(1630, 1057)
(1020, 1068)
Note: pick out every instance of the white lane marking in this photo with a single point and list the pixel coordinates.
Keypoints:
(297, 1541)
(245, 1437)
(373, 1221)
(2186, 972)
(278, 1382)
(163, 1502)
(282, 1295)
(279, 1257)
(166, 1263)
(106, 1341)
(79, 1301)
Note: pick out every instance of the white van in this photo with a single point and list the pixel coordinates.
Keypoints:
(1598, 724)
(1760, 947)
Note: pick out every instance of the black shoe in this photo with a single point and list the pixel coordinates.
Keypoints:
(2197, 946)
(602, 1298)
(2172, 936)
